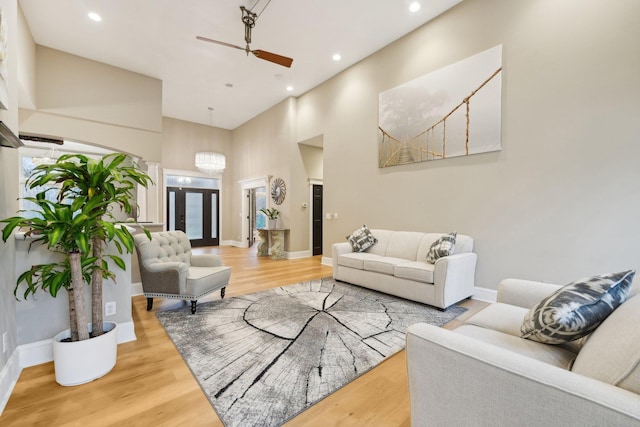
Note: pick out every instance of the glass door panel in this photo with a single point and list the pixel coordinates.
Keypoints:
(194, 213)
(171, 211)
(214, 215)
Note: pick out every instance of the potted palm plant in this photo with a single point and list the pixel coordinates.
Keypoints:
(79, 224)
(272, 214)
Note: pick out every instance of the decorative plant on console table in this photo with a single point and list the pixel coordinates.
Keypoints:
(78, 224)
(272, 214)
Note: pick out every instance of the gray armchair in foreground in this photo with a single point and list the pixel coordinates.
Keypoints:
(169, 270)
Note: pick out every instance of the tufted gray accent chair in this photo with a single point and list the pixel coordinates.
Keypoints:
(169, 269)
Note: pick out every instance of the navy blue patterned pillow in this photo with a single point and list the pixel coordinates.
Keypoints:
(444, 246)
(362, 239)
(576, 309)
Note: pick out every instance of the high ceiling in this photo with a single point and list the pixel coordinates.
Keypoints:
(157, 38)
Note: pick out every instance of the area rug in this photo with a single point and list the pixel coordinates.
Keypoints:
(263, 358)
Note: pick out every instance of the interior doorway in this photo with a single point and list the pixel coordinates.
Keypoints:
(256, 200)
(196, 211)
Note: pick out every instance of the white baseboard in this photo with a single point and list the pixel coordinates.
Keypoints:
(327, 261)
(237, 244)
(35, 353)
(298, 255)
(126, 332)
(39, 352)
(484, 294)
(8, 379)
(228, 243)
(136, 289)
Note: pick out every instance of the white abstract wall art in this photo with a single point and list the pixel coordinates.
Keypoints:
(453, 111)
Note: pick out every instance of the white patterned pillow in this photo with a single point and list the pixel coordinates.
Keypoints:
(576, 309)
(362, 239)
(444, 246)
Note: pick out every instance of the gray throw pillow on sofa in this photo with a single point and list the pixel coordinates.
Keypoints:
(576, 309)
(361, 239)
(444, 246)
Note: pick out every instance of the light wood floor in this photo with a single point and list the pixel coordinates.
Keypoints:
(152, 386)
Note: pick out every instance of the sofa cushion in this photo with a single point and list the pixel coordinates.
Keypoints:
(504, 318)
(356, 259)
(202, 279)
(612, 352)
(507, 318)
(551, 354)
(361, 239)
(404, 244)
(444, 246)
(384, 265)
(576, 309)
(415, 270)
(383, 237)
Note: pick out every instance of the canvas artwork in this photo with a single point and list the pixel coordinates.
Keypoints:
(453, 111)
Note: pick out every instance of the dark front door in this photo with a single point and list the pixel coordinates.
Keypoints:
(195, 211)
(317, 219)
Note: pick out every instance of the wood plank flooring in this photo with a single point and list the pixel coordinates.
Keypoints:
(152, 386)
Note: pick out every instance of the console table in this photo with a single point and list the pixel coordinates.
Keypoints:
(271, 240)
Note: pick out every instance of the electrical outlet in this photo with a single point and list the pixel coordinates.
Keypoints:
(110, 308)
(4, 343)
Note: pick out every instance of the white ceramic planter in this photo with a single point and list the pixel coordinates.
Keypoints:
(80, 362)
(273, 224)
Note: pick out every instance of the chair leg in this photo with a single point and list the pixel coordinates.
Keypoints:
(222, 291)
(149, 304)
(193, 306)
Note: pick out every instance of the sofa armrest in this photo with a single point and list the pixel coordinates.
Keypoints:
(454, 278)
(338, 249)
(457, 380)
(524, 293)
(164, 277)
(206, 260)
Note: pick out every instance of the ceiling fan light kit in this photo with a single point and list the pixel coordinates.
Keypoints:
(249, 20)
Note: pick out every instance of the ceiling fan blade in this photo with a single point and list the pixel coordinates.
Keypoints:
(204, 39)
(272, 57)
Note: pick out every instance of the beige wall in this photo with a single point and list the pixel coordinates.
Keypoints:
(264, 146)
(72, 86)
(138, 142)
(182, 140)
(312, 157)
(562, 198)
(86, 101)
(26, 62)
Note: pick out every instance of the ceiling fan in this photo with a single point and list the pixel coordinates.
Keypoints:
(249, 20)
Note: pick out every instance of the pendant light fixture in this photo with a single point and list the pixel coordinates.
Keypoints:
(208, 161)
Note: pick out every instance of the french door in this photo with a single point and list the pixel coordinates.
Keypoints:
(195, 211)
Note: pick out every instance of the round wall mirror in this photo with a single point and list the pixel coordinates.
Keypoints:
(278, 191)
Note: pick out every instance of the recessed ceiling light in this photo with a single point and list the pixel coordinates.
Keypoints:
(289, 88)
(94, 17)
(414, 7)
(336, 57)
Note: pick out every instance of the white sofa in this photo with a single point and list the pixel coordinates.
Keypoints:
(397, 265)
(483, 374)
